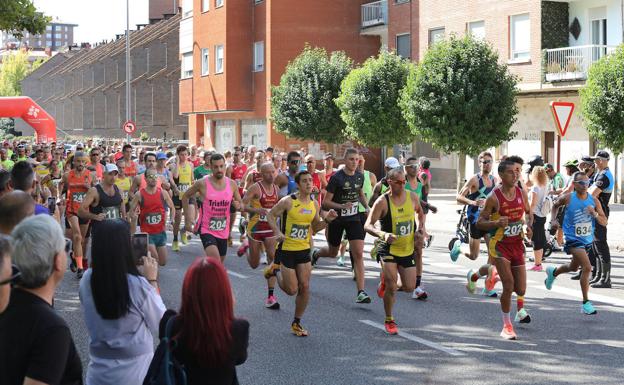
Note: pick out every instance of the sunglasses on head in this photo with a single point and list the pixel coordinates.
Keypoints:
(15, 274)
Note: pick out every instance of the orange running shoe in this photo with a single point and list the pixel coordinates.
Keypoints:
(491, 279)
(391, 327)
(508, 332)
(381, 288)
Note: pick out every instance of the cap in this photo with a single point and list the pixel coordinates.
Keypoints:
(269, 149)
(602, 154)
(110, 167)
(118, 156)
(571, 163)
(587, 159)
(328, 155)
(549, 166)
(79, 144)
(392, 162)
(161, 156)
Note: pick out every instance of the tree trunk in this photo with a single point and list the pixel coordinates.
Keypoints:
(461, 170)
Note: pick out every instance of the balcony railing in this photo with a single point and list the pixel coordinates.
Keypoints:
(375, 13)
(573, 63)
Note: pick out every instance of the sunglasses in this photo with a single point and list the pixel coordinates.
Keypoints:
(486, 162)
(294, 161)
(582, 182)
(411, 165)
(151, 176)
(15, 274)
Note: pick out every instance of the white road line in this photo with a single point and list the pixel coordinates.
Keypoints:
(576, 293)
(419, 340)
(235, 274)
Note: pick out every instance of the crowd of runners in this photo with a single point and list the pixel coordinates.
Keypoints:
(279, 201)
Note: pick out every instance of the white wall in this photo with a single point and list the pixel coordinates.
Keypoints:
(583, 11)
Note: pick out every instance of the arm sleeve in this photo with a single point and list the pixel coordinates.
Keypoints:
(49, 356)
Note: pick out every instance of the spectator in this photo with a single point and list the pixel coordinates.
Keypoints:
(36, 342)
(6, 272)
(537, 195)
(121, 308)
(210, 341)
(23, 178)
(14, 207)
(5, 177)
(557, 183)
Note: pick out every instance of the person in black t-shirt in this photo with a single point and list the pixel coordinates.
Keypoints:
(601, 190)
(344, 192)
(35, 342)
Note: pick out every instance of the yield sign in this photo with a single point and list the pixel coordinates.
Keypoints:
(562, 113)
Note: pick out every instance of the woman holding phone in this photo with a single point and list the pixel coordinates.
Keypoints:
(122, 308)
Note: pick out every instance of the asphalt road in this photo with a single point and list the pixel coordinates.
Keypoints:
(452, 338)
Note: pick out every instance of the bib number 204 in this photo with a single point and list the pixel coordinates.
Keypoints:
(217, 223)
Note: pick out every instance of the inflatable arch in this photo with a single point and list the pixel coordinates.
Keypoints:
(25, 108)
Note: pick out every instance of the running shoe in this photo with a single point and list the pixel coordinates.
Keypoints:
(340, 261)
(315, 256)
(588, 308)
(391, 327)
(508, 332)
(537, 268)
(270, 270)
(72, 265)
(183, 238)
(263, 259)
(471, 286)
(175, 246)
(362, 297)
(298, 330)
(489, 293)
(79, 273)
(456, 250)
(381, 288)
(271, 303)
(428, 241)
(491, 279)
(523, 317)
(420, 294)
(242, 249)
(550, 277)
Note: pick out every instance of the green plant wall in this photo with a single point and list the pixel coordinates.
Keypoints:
(555, 18)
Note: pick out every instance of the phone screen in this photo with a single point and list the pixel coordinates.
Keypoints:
(139, 246)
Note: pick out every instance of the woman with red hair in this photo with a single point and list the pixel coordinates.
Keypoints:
(210, 342)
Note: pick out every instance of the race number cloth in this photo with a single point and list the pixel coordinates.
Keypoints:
(215, 215)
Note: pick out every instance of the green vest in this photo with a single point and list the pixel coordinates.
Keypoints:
(368, 189)
(417, 190)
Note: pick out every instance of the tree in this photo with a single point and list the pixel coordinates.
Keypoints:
(302, 105)
(602, 101)
(460, 98)
(17, 16)
(368, 101)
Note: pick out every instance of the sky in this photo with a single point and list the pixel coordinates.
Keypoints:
(97, 19)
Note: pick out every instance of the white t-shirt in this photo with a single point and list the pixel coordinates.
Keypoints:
(541, 194)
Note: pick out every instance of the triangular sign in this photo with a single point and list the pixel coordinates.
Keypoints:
(562, 113)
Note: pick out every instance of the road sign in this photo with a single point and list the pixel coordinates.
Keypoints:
(562, 113)
(129, 127)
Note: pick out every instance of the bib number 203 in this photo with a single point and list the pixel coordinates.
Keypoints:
(299, 232)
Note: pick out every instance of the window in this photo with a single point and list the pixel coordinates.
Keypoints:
(436, 35)
(520, 38)
(258, 63)
(57, 35)
(219, 59)
(48, 35)
(49, 43)
(218, 3)
(404, 45)
(205, 5)
(187, 65)
(477, 29)
(205, 55)
(187, 8)
(401, 1)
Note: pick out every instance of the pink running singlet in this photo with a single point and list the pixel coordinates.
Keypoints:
(215, 218)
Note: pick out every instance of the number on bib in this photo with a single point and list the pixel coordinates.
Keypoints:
(513, 229)
(299, 231)
(404, 228)
(78, 196)
(111, 212)
(124, 196)
(153, 218)
(183, 187)
(583, 229)
(262, 218)
(217, 223)
(349, 212)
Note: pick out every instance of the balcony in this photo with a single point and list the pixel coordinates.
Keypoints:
(375, 14)
(572, 63)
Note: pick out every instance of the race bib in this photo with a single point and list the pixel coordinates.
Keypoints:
(183, 187)
(299, 231)
(349, 212)
(111, 212)
(153, 218)
(404, 228)
(217, 223)
(78, 196)
(583, 229)
(513, 229)
(262, 218)
(124, 196)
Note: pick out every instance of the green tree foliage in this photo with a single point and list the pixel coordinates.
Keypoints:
(14, 68)
(602, 101)
(17, 16)
(460, 98)
(369, 101)
(302, 105)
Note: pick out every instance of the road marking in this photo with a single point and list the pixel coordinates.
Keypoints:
(576, 293)
(419, 340)
(235, 274)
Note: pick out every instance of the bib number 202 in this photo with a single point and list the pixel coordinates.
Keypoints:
(513, 229)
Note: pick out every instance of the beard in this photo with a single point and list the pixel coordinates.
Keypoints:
(218, 175)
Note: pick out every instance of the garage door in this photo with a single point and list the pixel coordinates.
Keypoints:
(254, 132)
(224, 134)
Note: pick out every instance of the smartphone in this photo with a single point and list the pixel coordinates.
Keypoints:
(139, 246)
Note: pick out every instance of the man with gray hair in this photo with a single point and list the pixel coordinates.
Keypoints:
(42, 349)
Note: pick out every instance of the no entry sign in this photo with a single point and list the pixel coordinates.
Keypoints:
(129, 127)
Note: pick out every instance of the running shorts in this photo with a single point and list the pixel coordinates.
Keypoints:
(159, 239)
(475, 233)
(177, 203)
(513, 252)
(353, 229)
(400, 261)
(291, 259)
(81, 221)
(574, 244)
(260, 237)
(211, 240)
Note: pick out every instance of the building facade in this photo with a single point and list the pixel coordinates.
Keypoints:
(56, 36)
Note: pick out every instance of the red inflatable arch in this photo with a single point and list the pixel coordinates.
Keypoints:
(25, 108)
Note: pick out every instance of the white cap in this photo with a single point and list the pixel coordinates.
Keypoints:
(110, 167)
(392, 162)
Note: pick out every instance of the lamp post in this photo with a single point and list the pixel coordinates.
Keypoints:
(128, 67)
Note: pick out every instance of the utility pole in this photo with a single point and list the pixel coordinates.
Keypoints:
(128, 67)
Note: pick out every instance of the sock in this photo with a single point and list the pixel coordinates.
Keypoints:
(389, 318)
(360, 291)
(296, 320)
(520, 302)
(418, 279)
(78, 262)
(585, 301)
(555, 273)
(506, 319)
(271, 290)
(475, 277)
(175, 237)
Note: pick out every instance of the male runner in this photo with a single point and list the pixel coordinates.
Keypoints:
(300, 217)
(395, 210)
(286, 180)
(203, 169)
(601, 190)
(94, 163)
(502, 217)
(151, 201)
(131, 167)
(123, 183)
(236, 172)
(344, 191)
(474, 194)
(77, 182)
(259, 199)
(182, 172)
(219, 192)
(254, 175)
(581, 211)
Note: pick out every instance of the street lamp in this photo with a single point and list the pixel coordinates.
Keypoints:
(128, 68)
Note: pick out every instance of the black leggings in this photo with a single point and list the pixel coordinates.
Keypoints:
(539, 234)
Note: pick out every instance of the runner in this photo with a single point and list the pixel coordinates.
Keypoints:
(220, 193)
(5, 160)
(254, 175)
(601, 190)
(204, 169)
(502, 217)
(474, 194)
(77, 182)
(131, 168)
(94, 163)
(182, 172)
(123, 183)
(581, 213)
(51, 181)
(382, 186)
(286, 180)
(395, 210)
(300, 220)
(259, 200)
(236, 172)
(151, 201)
(344, 191)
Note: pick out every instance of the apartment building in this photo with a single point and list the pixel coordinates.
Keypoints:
(56, 36)
(232, 52)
